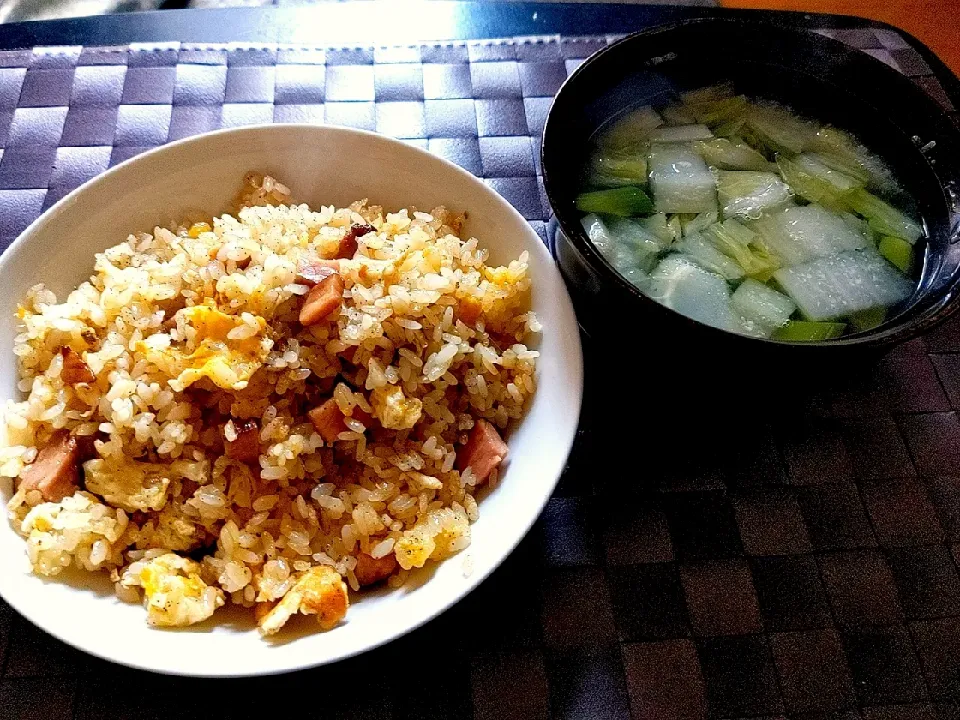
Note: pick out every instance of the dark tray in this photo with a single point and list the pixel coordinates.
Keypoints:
(799, 561)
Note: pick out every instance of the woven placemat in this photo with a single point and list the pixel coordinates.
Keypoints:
(807, 571)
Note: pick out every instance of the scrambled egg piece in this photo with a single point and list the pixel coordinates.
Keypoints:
(129, 484)
(172, 532)
(320, 591)
(198, 228)
(228, 361)
(176, 595)
(134, 485)
(443, 532)
(394, 410)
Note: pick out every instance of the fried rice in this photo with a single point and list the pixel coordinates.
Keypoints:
(192, 430)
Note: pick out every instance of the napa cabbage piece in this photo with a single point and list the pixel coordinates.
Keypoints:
(682, 285)
(748, 193)
(778, 130)
(814, 164)
(746, 247)
(859, 225)
(762, 308)
(730, 129)
(630, 129)
(883, 217)
(716, 112)
(716, 106)
(695, 224)
(840, 151)
(677, 115)
(636, 234)
(839, 285)
(630, 260)
(617, 169)
(708, 94)
(731, 154)
(810, 187)
(675, 226)
(680, 180)
(659, 225)
(681, 133)
(707, 255)
(800, 234)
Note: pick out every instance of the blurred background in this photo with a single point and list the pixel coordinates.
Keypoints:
(934, 23)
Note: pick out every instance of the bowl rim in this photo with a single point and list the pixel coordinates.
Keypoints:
(574, 377)
(940, 310)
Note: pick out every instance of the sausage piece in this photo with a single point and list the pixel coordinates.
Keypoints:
(246, 448)
(370, 570)
(483, 451)
(75, 370)
(55, 472)
(348, 243)
(322, 300)
(329, 421)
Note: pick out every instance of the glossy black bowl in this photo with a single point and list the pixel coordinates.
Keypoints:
(815, 76)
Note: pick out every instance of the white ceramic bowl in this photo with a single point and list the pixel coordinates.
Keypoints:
(325, 165)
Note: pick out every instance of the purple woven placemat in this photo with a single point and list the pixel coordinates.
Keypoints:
(68, 113)
(808, 572)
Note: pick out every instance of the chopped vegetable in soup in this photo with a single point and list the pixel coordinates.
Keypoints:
(745, 216)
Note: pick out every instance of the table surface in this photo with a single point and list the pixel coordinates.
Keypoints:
(797, 559)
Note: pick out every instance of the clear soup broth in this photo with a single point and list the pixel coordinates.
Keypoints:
(746, 216)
